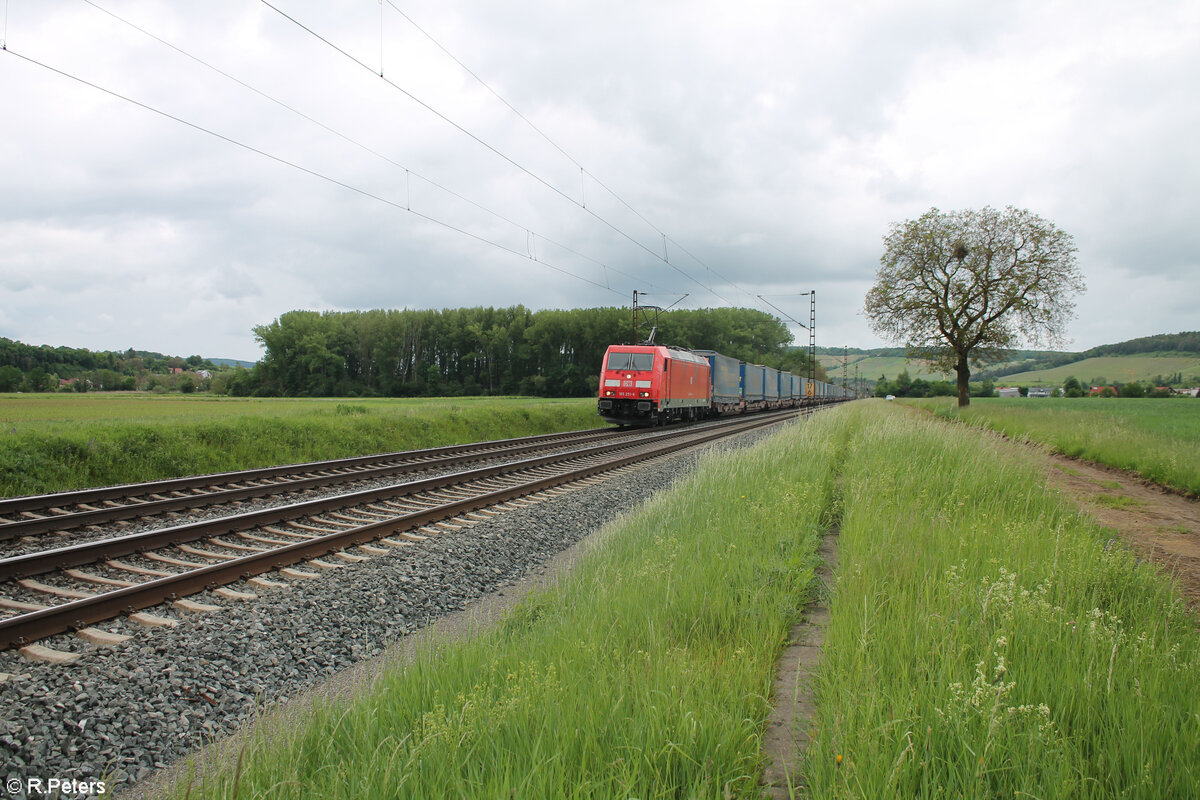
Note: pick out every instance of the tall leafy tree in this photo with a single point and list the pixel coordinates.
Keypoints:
(964, 287)
(10, 378)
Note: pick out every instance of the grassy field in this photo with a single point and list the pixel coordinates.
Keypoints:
(1157, 439)
(56, 442)
(985, 641)
(1106, 370)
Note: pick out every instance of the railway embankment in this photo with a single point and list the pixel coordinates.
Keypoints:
(649, 665)
(122, 712)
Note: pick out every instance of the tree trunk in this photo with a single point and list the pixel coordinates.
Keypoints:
(964, 376)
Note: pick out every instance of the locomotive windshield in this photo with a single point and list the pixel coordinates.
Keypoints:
(643, 362)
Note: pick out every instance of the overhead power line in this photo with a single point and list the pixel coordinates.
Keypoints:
(494, 149)
(409, 173)
(530, 251)
(583, 170)
(306, 170)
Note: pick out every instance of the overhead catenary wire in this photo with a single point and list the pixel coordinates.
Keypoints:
(409, 173)
(294, 165)
(583, 171)
(492, 148)
(789, 317)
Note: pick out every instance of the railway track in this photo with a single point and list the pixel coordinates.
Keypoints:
(63, 511)
(71, 588)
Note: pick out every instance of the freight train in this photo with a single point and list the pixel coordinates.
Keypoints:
(653, 385)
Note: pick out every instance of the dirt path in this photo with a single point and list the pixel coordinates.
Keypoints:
(785, 739)
(1159, 525)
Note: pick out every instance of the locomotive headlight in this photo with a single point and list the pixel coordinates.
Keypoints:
(643, 394)
(609, 393)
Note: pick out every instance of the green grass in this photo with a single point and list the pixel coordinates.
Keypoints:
(58, 442)
(1119, 501)
(646, 673)
(1157, 439)
(988, 641)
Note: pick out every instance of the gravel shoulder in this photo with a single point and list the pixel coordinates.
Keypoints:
(361, 677)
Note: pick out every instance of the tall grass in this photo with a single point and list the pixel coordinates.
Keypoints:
(1156, 438)
(644, 674)
(988, 641)
(69, 445)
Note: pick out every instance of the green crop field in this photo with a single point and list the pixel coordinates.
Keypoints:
(1158, 439)
(1109, 369)
(985, 640)
(56, 442)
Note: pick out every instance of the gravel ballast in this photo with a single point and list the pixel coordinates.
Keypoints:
(120, 713)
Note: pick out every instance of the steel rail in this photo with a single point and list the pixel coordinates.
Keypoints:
(31, 626)
(414, 461)
(30, 564)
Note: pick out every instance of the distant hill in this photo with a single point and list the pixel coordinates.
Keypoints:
(231, 362)
(869, 367)
(890, 362)
(1156, 368)
(42, 368)
(1168, 359)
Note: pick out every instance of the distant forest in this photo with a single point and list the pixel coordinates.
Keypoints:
(480, 351)
(1186, 342)
(42, 368)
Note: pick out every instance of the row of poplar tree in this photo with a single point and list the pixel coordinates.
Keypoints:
(475, 351)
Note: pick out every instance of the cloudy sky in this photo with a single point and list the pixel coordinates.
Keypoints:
(173, 174)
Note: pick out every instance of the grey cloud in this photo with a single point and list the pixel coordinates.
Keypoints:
(776, 141)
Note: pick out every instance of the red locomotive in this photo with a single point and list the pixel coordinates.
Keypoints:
(652, 384)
